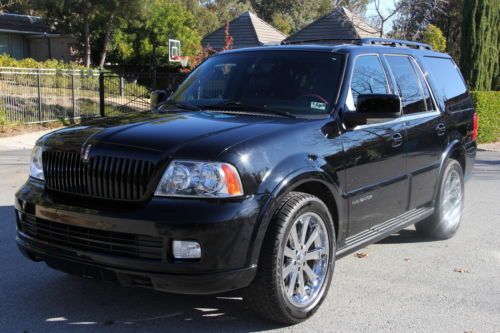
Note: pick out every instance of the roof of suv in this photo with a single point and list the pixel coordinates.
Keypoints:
(395, 47)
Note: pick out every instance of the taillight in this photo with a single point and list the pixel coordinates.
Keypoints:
(475, 127)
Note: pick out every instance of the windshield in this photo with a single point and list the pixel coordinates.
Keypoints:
(291, 82)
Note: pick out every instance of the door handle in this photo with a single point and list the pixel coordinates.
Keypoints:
(397, 140)
(440, 129)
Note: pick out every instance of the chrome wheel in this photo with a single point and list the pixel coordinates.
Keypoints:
(452, 201)
(305, 260)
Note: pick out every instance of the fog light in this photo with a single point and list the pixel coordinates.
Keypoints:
(186, 249)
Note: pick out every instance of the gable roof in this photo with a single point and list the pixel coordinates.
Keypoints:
(23, 24)
(247, 30)
(340, 24)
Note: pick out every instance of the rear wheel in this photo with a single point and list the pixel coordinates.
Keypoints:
(444, 223)
(296, 261)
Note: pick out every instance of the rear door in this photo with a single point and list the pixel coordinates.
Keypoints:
(425, 128)
(376, 181)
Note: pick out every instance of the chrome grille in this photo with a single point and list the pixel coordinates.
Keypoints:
(101, 177)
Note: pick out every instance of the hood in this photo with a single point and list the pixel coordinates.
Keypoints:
(166, 133)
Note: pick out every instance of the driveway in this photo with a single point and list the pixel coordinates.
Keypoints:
(404, 284)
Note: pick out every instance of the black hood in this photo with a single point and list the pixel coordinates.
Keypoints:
(166, 133)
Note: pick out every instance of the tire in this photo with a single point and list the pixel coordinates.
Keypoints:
(270, 295)
(444, 223)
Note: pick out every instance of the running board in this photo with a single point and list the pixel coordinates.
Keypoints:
(381, 231)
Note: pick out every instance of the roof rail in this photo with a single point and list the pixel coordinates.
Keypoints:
(394, 43)
(337, 41)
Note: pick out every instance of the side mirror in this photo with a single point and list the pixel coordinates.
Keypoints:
(374, 106)
(157, 97)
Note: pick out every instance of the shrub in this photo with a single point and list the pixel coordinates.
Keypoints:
(487, 104)
(8, 61)
(3, 117)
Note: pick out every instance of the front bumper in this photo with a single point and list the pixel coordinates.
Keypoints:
(224, 229)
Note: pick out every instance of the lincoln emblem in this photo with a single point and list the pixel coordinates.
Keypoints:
(86, 153)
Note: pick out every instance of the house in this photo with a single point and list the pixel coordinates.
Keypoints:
(24, 36)
(337, 27)
(247, 30)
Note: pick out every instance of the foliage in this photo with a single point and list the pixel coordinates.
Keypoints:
(480, 43)
(414, 16)
(282, 24)
(449, 20)
(7, 61)
(434, 37)
(144, 41)
(487, 104)
(298, 13)
(3, 117)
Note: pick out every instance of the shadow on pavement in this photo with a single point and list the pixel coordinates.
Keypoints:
(405, 236)
(53, 301)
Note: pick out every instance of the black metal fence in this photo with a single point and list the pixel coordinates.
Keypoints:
(44, 95)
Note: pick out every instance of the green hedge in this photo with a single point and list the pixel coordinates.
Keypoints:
(8, 61)
(487, 104)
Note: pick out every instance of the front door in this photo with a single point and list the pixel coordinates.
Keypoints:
(376, 181)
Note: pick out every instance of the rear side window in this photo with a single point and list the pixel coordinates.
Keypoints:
(448, 83)
(413, 92)
(368, 77)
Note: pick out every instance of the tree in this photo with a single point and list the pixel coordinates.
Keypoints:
(414, 16)
(449, 20)
(297, 13)
(112, 13)
(145, 41)
(382, 16)
(281, 23)
(480, 43)
(434, 37)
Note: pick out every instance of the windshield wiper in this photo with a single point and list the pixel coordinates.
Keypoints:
(248, 107)
(179, 105)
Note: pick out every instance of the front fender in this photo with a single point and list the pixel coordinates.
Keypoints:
(306, 174)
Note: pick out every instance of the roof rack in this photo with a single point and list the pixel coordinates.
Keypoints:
(320, 40)
(394, 43)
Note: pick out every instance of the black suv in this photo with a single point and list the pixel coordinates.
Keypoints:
(263, 167)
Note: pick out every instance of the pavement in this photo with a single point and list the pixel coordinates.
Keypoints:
(22, 141)
(403, 284)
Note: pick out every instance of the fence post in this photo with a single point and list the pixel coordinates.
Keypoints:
(122, 84)
(38, 84)
(101, 95)
(73, 101)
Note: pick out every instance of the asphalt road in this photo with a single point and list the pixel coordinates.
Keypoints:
(405, 284)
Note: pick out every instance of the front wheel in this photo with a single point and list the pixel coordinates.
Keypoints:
(444, 223)
(296, 261)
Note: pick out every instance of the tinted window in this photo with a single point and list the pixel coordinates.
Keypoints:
(293, 81)
(448, 83)
(409, 86)
(427, 94)
(368, 77)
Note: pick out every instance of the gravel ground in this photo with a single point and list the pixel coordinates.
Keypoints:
(404, 284)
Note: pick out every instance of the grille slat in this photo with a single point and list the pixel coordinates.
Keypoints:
(103, 177)
(101, 241)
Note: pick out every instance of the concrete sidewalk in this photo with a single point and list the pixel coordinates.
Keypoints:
(23, 141)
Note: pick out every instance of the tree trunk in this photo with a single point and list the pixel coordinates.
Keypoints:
(86, 36)
(105, 43)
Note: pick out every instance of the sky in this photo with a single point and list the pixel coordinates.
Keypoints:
(386, 6)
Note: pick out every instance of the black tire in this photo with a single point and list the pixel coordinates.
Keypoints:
(438, 226)
(266, 295)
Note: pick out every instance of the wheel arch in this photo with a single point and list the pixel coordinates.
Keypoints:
(315, 182)
(456, 151)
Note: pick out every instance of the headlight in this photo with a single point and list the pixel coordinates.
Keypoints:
(36, 165)
(200, 179)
